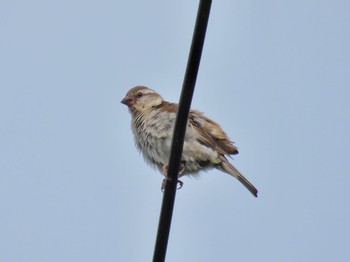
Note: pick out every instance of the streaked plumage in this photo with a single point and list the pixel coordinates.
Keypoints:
(205, 145)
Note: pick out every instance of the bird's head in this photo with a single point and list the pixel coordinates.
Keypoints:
(140, 99)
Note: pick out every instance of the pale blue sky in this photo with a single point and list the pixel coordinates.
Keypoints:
(274, 74)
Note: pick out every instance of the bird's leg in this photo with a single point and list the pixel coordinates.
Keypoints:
(165, 169)
(165, 174)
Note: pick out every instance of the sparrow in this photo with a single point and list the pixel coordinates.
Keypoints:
(205, 146)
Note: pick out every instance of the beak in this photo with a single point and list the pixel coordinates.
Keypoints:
(127, 101)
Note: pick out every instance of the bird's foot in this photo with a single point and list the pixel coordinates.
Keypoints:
(165, 173)
(179, 182)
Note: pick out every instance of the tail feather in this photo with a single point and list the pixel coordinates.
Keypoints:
(228, 168)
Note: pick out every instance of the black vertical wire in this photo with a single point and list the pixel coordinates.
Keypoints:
(180, 128)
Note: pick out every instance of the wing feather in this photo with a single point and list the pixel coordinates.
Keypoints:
(211, 134)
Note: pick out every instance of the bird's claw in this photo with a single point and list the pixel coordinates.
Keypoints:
(165, 173)
(180, 184)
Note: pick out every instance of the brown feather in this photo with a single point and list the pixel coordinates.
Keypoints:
(212, 134)
(166, 106)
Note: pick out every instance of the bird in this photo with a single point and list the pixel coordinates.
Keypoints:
(206, 145)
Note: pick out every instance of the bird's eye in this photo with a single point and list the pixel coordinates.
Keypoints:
(139, 94)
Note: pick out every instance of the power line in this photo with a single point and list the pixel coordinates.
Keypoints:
(180, 129)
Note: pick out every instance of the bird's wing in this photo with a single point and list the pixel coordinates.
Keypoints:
(211, 134)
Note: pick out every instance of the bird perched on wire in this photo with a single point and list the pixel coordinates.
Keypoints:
(205, 145)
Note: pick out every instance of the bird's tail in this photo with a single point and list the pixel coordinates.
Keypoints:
(228, 168)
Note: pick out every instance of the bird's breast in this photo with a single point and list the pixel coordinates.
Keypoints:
(153, 134)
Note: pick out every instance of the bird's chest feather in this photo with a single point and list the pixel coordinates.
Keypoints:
(153, 134)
